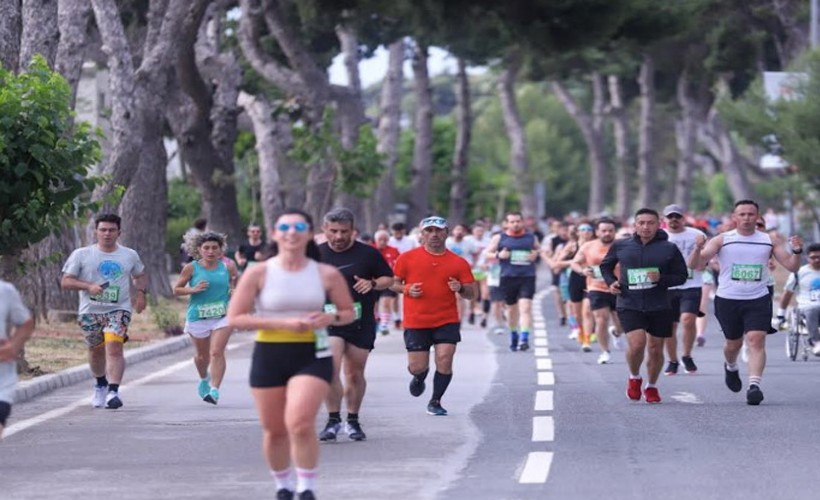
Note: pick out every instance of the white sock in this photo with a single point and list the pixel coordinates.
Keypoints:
(634, 377)
(305, 479)
(283, 479)
(732, 367)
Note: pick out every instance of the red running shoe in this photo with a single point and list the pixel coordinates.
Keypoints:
(633, 389)
(651, 395)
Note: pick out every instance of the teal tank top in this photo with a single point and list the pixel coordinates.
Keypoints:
(213, 301)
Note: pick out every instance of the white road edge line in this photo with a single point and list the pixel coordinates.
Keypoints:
(537, 468)
(59, 412)
(544, 401)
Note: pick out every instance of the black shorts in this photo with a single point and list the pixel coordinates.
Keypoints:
(556, 279)
(496, 294)
(388, 293)
(601, 300)
(363, 337)
(737, 317)
(577, 287)
(656, 323)
(422, 339)
(517, 287)
(274, 363)
(5, 411)
(685, 300)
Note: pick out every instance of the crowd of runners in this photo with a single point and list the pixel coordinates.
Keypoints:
(319, 296)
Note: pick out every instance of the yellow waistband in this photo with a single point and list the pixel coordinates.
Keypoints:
(283, 336)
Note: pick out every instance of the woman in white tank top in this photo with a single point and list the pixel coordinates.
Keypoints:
(291, 368)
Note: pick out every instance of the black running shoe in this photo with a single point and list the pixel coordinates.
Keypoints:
(330, 431)
(733, 380)
(284, 494)
(689, 365)
(417, 386)
(434, 408)
(483, 322)
(754, 395)
(306, 495)
(354, 431)
(671, 368)
(563, 321)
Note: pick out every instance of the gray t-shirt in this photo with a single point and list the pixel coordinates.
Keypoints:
(116, 268)
(807, 286)
(12, 312)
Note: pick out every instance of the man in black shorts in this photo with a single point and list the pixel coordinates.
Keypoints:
(366, 272)
(650, 264)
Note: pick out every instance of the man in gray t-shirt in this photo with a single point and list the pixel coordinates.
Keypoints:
(13, 313)
(103, 273)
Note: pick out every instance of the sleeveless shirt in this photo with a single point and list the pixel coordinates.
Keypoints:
(744, 265)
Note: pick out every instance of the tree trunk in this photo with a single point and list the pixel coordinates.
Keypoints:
(646, 144)
(623, 158)
(39, 31)
(598, 169)
(10, 29)
(713, 135)
(73, 17)
(593, 140)
(422, 169)
(685, 139)
(382, 204)
(458, 186)
(795, 29)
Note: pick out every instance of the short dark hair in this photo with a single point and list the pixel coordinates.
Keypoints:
(650, 211)
(605, 220)
(341, 214)
(398, 226)
(814, 247)
(116, 219)
(201, 223)
(514, 213)
(747, 202)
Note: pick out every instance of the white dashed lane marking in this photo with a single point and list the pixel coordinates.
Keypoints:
(544, 401)
(537, 468)
(546, 378)
(543, 364)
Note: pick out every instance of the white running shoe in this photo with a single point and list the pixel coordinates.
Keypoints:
(98, 398)
(816, 348)
(573, 334)
(604, 358)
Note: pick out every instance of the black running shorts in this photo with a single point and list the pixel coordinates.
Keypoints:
(655, 323)
(737, 317)
(274, 363)
(364, 338)
(685, 300)
(577, 287)
(601, 300)
(517, 287)
(496, 294)
(422, 339)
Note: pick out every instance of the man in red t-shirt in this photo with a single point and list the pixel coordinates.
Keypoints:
(429, 277)
(388, 297)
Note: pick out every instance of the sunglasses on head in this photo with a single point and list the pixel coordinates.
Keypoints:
(299, 227)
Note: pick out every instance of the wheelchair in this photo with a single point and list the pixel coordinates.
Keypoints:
(798, 338)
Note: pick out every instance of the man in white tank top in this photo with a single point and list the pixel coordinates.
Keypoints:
(743, 305)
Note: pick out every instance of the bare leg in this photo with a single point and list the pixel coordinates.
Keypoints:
(219, 340)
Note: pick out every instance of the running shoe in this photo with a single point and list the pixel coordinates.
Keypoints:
(651, 395)
(417, 386)
(633, 389)
(354, 431)
(98, 398)
(212, 396)
(593, 338)
(754, 395)
(397, 324)
(112, 400)
(330, 431)
(689, 365)
(524, 345)
(574, 333)
(816, 349)
(384, 330)
(700, 340)
(284, 494)
(306, 495)
(733, 379)
(204, 387)
(604, 358)
(671, 368)
(471, 318)
(434, 408)
(483, 323)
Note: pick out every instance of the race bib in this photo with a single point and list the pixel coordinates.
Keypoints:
(520, 257)
(638, 279)
(814, 295)
(689, 273)
(747, 272)
(494, 276)
(322, 343)
(357, 310)
(211, 310)
(110, 295)
(596, 273)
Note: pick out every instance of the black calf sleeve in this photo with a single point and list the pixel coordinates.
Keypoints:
(485, 306)
(5, 411)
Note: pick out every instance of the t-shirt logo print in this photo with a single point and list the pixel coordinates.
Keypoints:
(110, 270)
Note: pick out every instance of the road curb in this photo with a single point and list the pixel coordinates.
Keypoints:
(29, 389)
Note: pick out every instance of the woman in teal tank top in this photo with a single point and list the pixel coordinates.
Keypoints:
(208, 280)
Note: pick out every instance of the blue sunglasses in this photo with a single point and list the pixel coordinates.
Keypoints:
(299, 227)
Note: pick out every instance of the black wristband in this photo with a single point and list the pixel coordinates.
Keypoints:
(797, 252)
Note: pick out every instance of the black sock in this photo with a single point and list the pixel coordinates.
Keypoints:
(352, 417)
(422, 375)
(485, 306)
(336, 416)
(102, 381)
(113, 387)
(440, 383)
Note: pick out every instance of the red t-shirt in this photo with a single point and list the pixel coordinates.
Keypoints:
(390, 254)
(437, 304)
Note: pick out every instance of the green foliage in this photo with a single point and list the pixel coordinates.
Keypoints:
(444, 133)
(44, 157)
(721, 197)
(166, 318)
(184, 206)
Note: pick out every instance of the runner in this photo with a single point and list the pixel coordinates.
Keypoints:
(460, 244)
(516, 250)
(402, 242)
(366, 272)
(480, 239)
(104, 273)
(16, 326)
(209, 282)
(806, 283)
(558, 237)
(743, 304)
(387, 299)
(291, 365)
(430, 277)
(686, 298)
(602, 302)
(580, 312)
(650, 264)
(252, 251)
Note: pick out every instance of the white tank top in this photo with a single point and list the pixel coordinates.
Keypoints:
(290, 293)
(685, 241)
(744, 265)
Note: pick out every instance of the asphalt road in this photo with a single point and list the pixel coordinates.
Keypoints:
(548, 423)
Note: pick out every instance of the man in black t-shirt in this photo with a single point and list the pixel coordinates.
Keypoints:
(366, 272)
(249, 252)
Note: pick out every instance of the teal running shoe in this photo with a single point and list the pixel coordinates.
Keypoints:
(212, 396)
(204, 387)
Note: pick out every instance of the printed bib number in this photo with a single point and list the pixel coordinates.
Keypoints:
(357, 310)
(638, 279)
(689, 273)
(520, 257)
(494, 276)
(747, 272)
(596, 273)
(322, 343)
(211, 310)
(110, 295)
